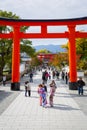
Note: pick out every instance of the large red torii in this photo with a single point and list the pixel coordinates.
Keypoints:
(16, 35)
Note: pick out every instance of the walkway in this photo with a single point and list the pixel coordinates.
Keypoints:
(24, 113)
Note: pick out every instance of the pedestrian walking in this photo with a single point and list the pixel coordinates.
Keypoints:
(4, 80)
(80, 84)
(53, 74)
(57, 74)
(49, 75)
(66, 77)
(31, 76)
(63, 75)
(45, 76)
(27, 89)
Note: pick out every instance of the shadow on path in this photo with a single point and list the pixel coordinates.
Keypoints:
(63, 107)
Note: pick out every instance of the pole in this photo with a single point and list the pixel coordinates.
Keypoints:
(15, 85)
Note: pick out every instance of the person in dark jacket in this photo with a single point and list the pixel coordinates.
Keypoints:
(31, 76)
(80, 84)
(66, 77)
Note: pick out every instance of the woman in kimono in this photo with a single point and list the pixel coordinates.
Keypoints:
(52, 92)
(42, 93)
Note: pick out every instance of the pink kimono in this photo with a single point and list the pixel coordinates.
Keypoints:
(52, 91)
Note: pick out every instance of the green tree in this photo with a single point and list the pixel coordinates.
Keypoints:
(6, 44)
(45, 51)
(81, 47)
(26, 46)
(81, 50)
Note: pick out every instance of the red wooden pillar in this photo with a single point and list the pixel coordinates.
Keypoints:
(72, 58)
(43, 30)
(15, 85)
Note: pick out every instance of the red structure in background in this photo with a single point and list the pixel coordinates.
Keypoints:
(46, 57)
(16, 35)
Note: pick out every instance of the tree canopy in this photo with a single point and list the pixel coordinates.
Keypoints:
(81, 51)
(6, 44)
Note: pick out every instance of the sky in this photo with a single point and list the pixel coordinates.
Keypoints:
(47, 9)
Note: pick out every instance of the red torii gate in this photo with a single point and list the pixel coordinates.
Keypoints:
(16, 35)
(48, 56)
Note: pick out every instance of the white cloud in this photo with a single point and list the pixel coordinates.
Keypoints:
(36, 42)
(46, 9)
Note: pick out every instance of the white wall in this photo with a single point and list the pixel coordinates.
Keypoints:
(22, 67)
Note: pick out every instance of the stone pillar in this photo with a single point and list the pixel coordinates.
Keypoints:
(15, 85)
(72, 58)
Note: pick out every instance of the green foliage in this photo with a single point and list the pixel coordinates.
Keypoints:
(81, 49)
(65, 46)
(8, 14)
(82, 65)
(26, 47)
(6, 44)
(45, 51)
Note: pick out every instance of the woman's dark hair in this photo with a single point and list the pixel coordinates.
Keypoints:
(26, 82)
